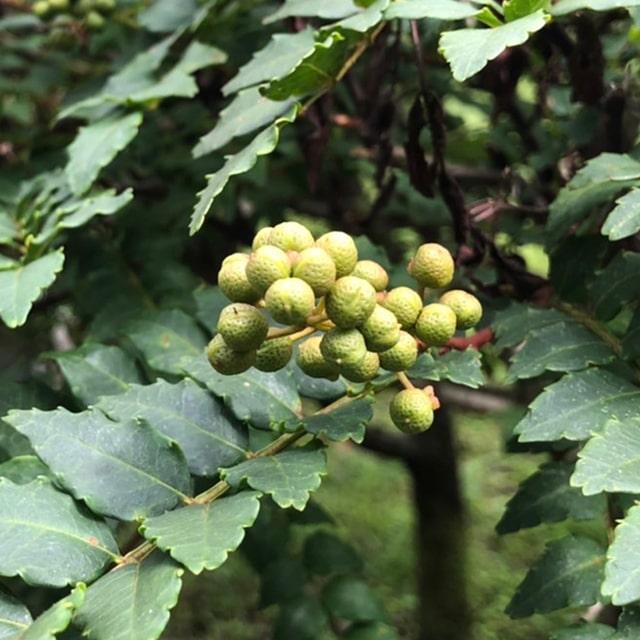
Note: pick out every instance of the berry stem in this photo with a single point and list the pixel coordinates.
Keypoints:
(280, 332)
(404, 380)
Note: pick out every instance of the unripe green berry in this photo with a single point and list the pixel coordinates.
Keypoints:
(362, 371)
(381, 329)
(373, 273)
(59, 5)
(233, 282)
(105, 5)
(405, 304)
(236, 257)
(266, 265)
(227, 361)
(467, 307)
(291, 236)
(274, 354)
(432, 266)
(312, 362)
(243, 327)
(343, 346)
(411, 411)
(436, 324)
(84, 6)
(350, 302)
(261, 238)
(402, 355)
(290, 301)
(41, 8)
(342, 249)
(316, 268)
(95, 20)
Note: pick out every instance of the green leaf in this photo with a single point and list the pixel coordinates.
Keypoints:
(281, 54)
(14, 617)
(513, 324)
(124, 470)
(346, 422)
(164, 16)
(624, 219)
(187, 414)
(288, 477)
(350, 598)
(547, 496)
(210, 301)
(569, 6)
(460, 367)
(469, 50)
(616, 285)
(282, 581)
(325, 554)
(564, 346)
(46, 539)
(622, 571)
(514, 9)
(567, 575)
(248, 111)
(202, 536)
(610, 461)
(437, 9)
(265, 400)
(23, 470)
(167, 339)
(96, 145)
(631, 342)
(364, 20)
(95, 370)
(371, 631)
(301, 619)
(132, 602)
(585, 631)
(57, 618)
(20, 287)
(577, 406)
(628, 624)
(263, 144)
(328, 9)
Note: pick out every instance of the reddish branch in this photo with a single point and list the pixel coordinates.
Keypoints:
(477, 340)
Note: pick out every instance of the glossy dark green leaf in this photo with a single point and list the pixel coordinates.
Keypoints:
(616, 285)
(459, 367)
(347, 421)
(350, 598)
(513, 324)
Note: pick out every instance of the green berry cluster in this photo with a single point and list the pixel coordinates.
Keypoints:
(91, 12)
(340, 309)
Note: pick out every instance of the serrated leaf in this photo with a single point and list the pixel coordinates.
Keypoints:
(610, 461)
(350, 598)
(564, 346)
(20, 287)
(46, 539)
(57, 618)
(568, 574)
(23, 469)
(624, 219)
(96, 370)
(248, 111)
(469, 50)
(288, 477)
(14, 617)
(577, 406)
(460, 367)
(96, 145)
(328, 9)
(437, 9)
(616, 285)
(569, 6)
(513, 324)
(265, 400)
(263, 144)
(202, 535)
(585, 631)
(164, 16)
(547, 496)
(364, 20)
(167, 339)
(346, 422)
(281, 54)
(186, 413)
(125, 470)
(133, 601)
(514, 9)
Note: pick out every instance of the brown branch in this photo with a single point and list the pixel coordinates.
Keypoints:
(477, 340)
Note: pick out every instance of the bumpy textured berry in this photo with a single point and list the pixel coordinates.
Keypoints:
(312, 362)
(274, 354)
(432, 266)
(405, 304)
(402, 355)
(350, 302)
(373, 273)
(341, 247)
(364, 370)
(243, 327)
(236, 257)
(316, 268)
(381, 329)
(290, 301)
(291, 236)
(343, 346)
(261, 238)
(411, 411)
(436, 324)
(467, 307)
(266, 265)
(226, 360)
(233, 282)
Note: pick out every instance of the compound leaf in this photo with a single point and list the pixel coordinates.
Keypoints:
(343, 423)
(459, 367)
